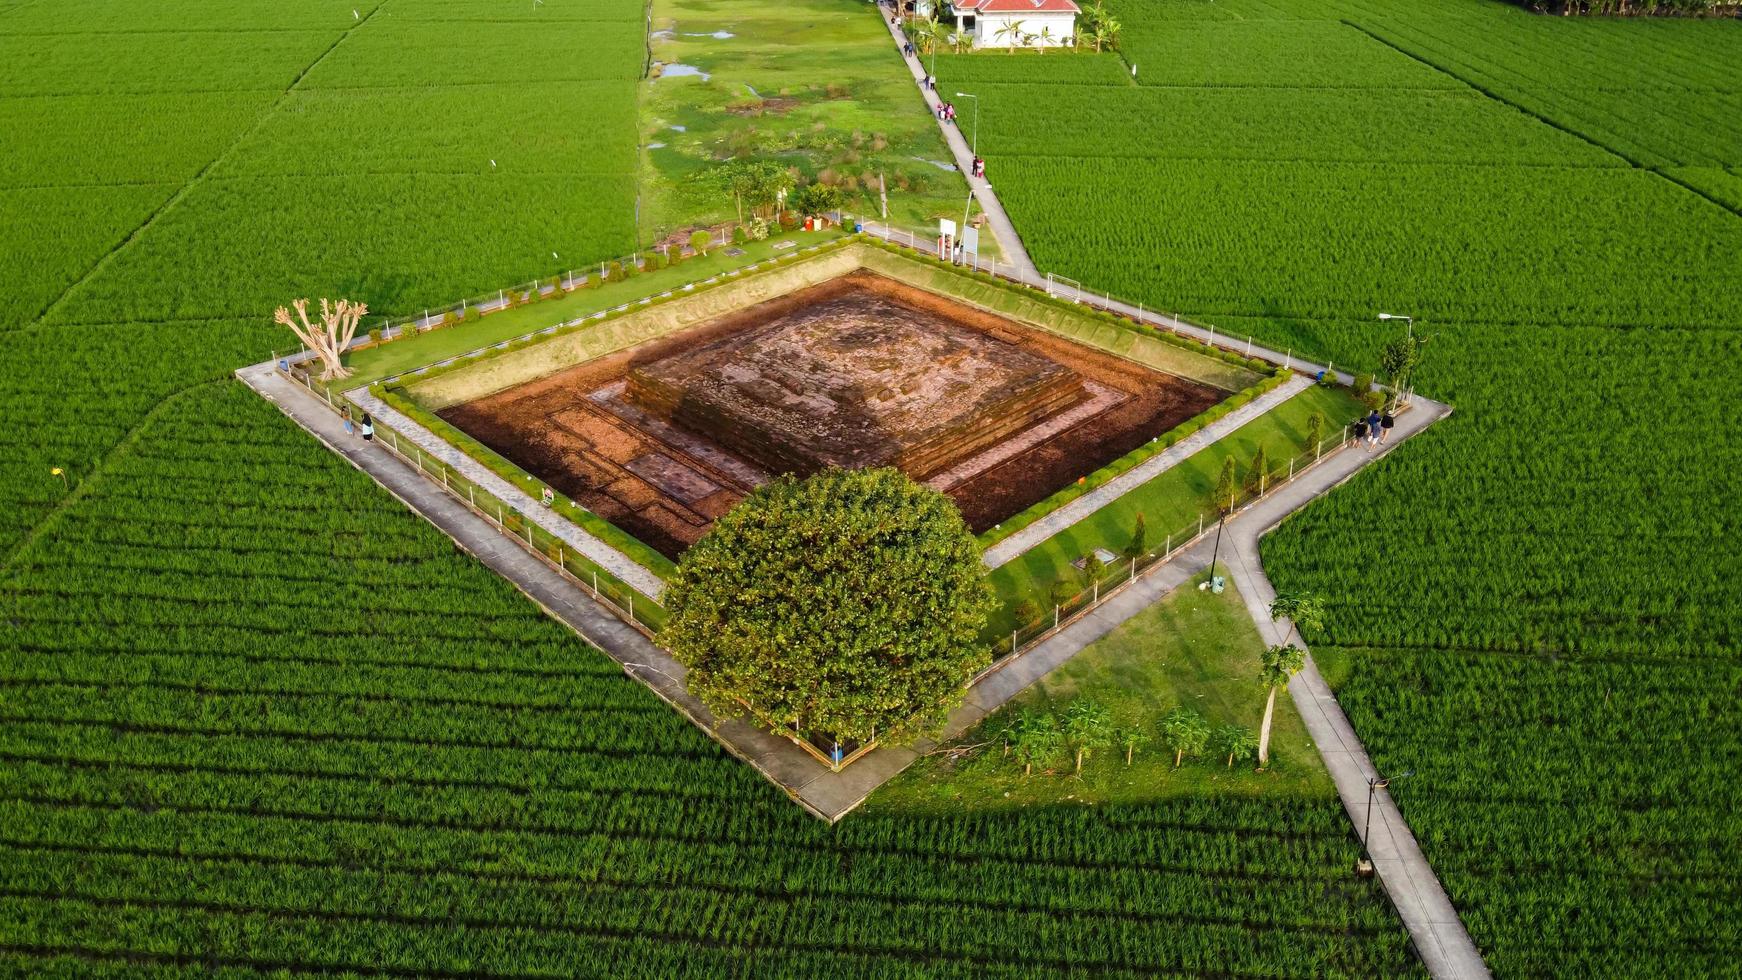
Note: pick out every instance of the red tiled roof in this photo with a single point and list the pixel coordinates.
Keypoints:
(1025, 7)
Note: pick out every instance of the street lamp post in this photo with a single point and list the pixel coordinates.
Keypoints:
(1375, 783)
(1409, 334)
(976, 134)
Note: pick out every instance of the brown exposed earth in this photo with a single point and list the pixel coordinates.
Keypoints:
(997, 415)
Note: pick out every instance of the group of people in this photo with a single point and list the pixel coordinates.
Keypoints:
(366, 424)
(979, 168)
(1374, 429)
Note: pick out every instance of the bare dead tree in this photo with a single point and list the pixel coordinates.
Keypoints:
(338, 325)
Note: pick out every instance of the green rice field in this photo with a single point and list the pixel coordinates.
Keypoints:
(1532, 605)
(256, 718)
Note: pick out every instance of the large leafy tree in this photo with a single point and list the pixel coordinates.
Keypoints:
(848, 604)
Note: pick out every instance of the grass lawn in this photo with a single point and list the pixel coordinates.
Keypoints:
(1170, 503)
(399, 356)
(1191, 648)
(813, 84)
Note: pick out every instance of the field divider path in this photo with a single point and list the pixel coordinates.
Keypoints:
(1002, 227)
(600, 553)
(1085, 506)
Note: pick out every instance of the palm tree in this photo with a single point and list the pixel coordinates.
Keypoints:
(1111, 28)
(961, 42)
(1100, 36)
(1130, 739)
(1236, 742)
(1010, 32)
(1033, 736)
(1087, 726)
(1186, 732)
(1275, 667)
(925, 35)
(1301, 609)
(1044, 37)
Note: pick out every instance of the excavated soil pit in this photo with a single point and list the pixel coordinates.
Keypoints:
(858, 371)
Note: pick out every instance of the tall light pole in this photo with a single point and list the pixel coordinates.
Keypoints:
(1375, 783)
(969, 203)
(976, 135)
(1408, 321)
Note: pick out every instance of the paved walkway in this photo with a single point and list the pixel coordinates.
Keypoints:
(1085, 506)
(1002, 228)
(1439, 936)
(604, 555)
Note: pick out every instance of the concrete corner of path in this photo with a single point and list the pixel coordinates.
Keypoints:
(1437, 932)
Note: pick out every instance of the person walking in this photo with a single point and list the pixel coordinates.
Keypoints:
(1361, 434)
(1386, 421)
(368, 428)
(1373, 427)
(350, 429)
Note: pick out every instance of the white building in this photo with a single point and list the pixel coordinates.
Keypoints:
(1016, 23)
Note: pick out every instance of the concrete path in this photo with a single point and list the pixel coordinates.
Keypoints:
(1085, 506)
(604, 555)
(1439, 936)
(1002, 228)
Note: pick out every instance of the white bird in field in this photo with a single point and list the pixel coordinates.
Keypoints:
(492, 163)
(355, 15)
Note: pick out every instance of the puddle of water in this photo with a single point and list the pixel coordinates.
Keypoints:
(665, 35)
(752, 91)
(656, 146)
(941, 165)
(682, 71)
(679, 129)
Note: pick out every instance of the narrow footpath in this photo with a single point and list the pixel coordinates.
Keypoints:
(1002, 228)
(1439, 935)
